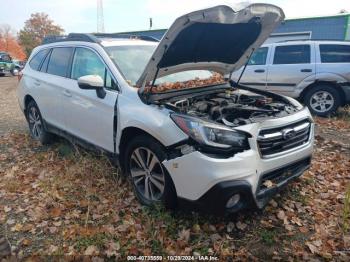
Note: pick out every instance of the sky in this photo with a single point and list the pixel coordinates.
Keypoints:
(133, 15)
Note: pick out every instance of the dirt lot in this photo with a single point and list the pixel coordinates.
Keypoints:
(11, 118)
(61, 200)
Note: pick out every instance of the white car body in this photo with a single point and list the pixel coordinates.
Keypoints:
(79, 114)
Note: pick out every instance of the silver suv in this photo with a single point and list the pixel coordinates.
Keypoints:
(316, 72)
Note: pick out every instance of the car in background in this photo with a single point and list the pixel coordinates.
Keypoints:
(315, 72)
(7, 65)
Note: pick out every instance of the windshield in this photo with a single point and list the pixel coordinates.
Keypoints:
(132, 60)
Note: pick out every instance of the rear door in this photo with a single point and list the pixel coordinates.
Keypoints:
(256, 71)
(87, 116)
(54, 77)
(290, 64)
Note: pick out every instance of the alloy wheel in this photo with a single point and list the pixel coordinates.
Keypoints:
(322, 101)
(147, 174)
(35, 124)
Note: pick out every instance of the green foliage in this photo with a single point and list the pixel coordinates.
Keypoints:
(268, 236)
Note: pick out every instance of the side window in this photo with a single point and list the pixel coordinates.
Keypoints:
(6, 58)
(45, 63)
(259, 57)
(59, 61)
(109, 82)
(35, 62)
(87, 62)
(292, 54)
(335, 53)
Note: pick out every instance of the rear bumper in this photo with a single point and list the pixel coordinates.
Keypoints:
(215, 199)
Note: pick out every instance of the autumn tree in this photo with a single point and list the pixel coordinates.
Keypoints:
(38, 26)
(9, 43)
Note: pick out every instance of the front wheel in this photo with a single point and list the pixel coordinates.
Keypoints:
(322, 100)
(151, 182)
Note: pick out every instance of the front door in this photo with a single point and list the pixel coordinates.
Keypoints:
(87, 116)
(256, 71)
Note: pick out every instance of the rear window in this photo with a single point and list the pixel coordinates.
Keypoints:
(292, 54)
(335, 53)
(36, 60)
(59, 61)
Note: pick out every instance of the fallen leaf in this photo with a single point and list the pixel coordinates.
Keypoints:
(184, 235)
(55, 212)
(91, 250)
(268, 183)
(281, 215)
(240, 225)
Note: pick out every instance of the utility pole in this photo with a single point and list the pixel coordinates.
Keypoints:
(150, 23)
(100, 18)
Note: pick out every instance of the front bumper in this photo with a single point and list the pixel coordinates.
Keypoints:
(215, 199)
(209, 181)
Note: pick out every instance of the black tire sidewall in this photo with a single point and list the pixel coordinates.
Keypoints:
(169, 198)
(323, 87)
(45, 137)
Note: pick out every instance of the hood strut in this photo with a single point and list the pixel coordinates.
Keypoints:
(148, 94)
(245, 65)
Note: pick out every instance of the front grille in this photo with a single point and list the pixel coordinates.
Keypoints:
(276, 140)
(278, 177)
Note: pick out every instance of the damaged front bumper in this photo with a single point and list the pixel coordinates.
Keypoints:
(216, 198)
(210, 182)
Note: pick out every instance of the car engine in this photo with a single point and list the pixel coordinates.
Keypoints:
(233, 108)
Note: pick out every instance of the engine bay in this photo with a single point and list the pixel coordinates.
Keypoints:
(233, 107)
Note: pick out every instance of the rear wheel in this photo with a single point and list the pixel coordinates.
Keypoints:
(151, 182)
(322, 100)
(35, 123)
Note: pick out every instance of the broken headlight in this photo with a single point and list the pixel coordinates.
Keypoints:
(211, 134)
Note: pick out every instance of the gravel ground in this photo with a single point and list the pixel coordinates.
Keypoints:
(11, 117)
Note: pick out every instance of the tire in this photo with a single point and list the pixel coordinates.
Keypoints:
(152, 184)
(35, 123)
(322, 100)
(14, 72)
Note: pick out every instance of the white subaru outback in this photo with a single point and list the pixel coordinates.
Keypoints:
(178, 129)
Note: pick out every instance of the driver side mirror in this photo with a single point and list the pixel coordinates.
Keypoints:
(90, 82)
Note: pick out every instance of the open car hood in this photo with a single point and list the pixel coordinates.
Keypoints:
(216, 39)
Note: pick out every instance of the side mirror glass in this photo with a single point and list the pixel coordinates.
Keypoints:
(90, 82)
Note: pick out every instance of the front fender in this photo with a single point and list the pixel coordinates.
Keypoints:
(152, 119)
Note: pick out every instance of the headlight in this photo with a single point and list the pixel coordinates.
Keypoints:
(210, 134)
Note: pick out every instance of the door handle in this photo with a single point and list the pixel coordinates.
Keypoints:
(67, 93)
(305, 70)
(259, 71)
(36, 82)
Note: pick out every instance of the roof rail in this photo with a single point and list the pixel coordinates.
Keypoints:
(70, 37)
(313, 40)
(93, 38)
(127, 36)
